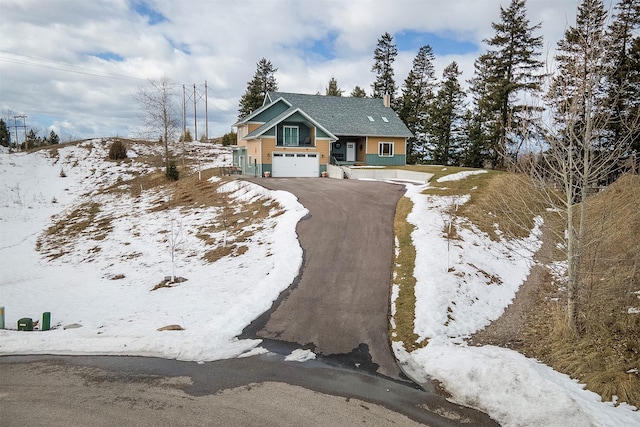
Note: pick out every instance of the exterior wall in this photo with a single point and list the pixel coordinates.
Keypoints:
(268, 145)
(375, 160)
(253, 126)
(399, 151)
(241, 132)
(270, 113)
(252, 161)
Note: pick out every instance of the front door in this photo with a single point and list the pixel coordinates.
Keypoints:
(351, 151)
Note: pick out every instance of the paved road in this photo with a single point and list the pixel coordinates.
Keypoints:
(262, 390)
(340, 303)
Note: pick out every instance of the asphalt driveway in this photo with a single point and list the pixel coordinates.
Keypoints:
(339, 304)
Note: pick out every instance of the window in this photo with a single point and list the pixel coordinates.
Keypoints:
(385, 149)
(290, 135)
(384, 119)
(370, 118)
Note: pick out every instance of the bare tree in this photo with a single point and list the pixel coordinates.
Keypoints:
(578, 155)
(175, 240)
(159, 111)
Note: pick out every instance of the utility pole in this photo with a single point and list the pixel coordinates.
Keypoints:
(195, 115)
(184, 112)
(206, 112)
(24, 126)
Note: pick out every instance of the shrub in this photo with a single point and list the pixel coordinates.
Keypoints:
(118, 151)
(186, 137)
(172, 171)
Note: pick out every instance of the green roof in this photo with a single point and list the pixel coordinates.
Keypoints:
(340, 115)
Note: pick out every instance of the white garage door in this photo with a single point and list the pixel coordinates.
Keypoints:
(295, 165)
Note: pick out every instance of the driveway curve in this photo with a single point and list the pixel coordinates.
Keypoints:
(339, 304)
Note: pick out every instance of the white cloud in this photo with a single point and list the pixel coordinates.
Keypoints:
(50, 70)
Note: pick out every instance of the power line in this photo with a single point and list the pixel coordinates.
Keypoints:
(61, 66)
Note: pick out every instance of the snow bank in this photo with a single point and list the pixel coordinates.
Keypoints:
(463, 285)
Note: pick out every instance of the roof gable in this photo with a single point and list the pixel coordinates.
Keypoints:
(291, 111)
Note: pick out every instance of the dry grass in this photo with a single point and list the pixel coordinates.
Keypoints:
(404, 266)
(192, 191)
(604, 352)
(58, 238)
(505, 203)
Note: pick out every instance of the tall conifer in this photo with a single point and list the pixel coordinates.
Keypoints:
(504, 76)
(447, 119)
(384, 55)
(413, 105)
(263, 81)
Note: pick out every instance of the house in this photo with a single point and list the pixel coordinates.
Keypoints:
(297, 135)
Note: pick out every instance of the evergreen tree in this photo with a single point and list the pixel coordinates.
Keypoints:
(32, 139)
(384, 55)
(413, 105)
(333, 89)
(623, 57)
(229, 138)
(53, 138)
(5, 135)
(263, 81)
(481, 129)
(447, 119)
(510, 70)
(358, 92)
(574, 94)
(474, 150)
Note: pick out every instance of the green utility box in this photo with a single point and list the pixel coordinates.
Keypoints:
(25, 324)
(46, 321)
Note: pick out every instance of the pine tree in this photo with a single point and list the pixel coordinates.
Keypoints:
(413, 105)
(333, 89)
(358, 92)
(5, 135)
(574, 93)
(474, 149)
(384, 55)
(623, 57)
(32, 139)
(481, 124)
(53, 138)
(447, 119)
(263, 81)
(510, 71)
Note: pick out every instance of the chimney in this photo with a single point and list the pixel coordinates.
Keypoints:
(386, 100)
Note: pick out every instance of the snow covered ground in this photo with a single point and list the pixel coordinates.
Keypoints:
(463, 286)
(103, 282)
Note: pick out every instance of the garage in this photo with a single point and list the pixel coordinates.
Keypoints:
(290, 165)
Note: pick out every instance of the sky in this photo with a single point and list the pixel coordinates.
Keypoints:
(75, 66)
(99, 291)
